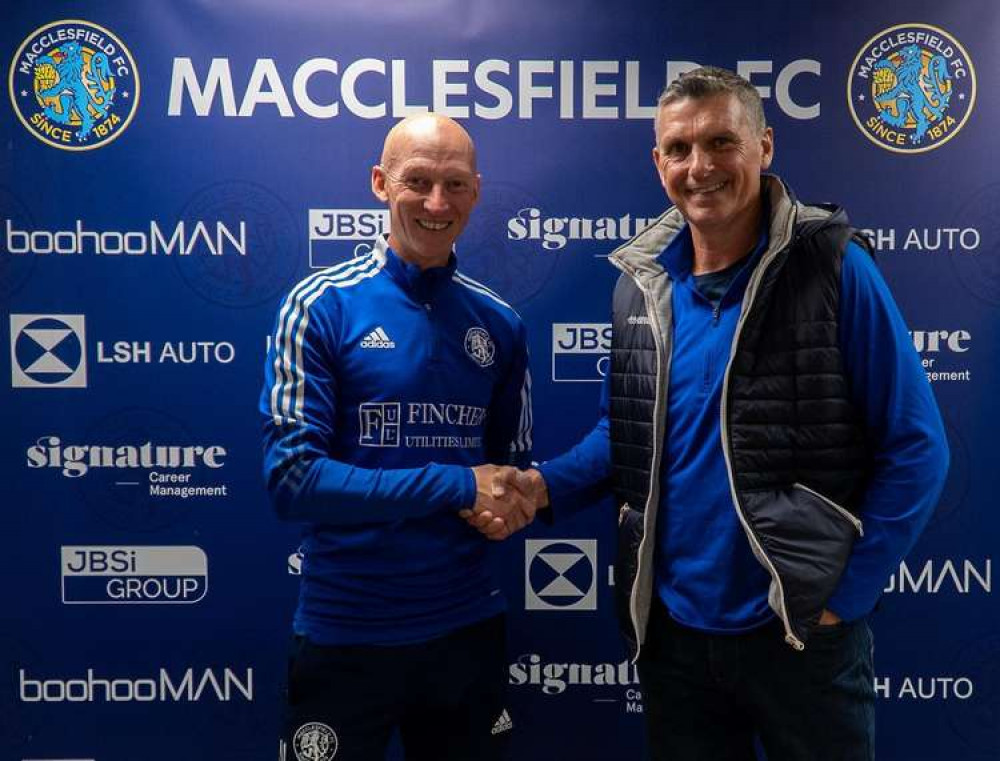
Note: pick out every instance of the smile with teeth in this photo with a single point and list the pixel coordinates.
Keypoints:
(706, 189)
(429, 225)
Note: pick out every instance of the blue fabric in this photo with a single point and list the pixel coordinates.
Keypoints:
(905, 430)
(383, 385)
(705, 571)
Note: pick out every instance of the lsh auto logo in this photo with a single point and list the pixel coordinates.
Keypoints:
(911, 88)
(560, 574)
(74, 85)
(48, 351)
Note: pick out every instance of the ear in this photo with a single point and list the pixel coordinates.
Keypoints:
(766, 148)
(656, 163)
(475, 188)
(378, 184)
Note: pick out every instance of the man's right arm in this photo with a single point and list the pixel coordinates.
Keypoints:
(581, 476)
(565, 484)
(299, 406)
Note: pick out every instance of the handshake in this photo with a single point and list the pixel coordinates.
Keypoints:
(506, 500)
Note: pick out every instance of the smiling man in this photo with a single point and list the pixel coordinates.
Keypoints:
(392, 379)
(427, 175)
(771, 442)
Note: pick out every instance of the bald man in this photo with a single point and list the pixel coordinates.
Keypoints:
(392, 378)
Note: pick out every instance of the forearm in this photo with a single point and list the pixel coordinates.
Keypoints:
(905, 432)
(581, 476)
(897, 505)
(311, 488)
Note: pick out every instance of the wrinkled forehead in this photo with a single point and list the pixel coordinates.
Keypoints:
(435, 160)
(722, 111)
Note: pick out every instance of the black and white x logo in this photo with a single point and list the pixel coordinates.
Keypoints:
(48, 351)
(560, 574)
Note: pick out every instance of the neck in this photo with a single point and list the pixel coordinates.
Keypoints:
(717, 248)
(423, 261)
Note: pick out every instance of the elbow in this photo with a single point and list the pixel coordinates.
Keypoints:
(282, 502)
(933, 463)
(941, 460)
(285, 487)
(283, 507)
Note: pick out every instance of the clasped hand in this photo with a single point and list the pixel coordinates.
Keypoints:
(506, 500)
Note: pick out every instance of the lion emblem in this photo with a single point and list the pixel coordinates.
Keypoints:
(315, 742)
(74, 86)
(480, 347)
(912, 90)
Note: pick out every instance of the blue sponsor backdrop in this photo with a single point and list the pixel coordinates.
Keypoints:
(170, 169)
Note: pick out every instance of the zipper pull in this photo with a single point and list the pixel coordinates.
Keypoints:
(795, 642)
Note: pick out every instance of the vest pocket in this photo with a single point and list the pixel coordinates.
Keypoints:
(630, 532)
(842, 511)
(808, 539)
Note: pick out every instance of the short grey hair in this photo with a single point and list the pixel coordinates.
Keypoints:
(707, 81)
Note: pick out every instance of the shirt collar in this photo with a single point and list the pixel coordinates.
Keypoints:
(420, 283)
(678, 257)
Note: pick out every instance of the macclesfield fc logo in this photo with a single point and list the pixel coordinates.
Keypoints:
(74, 85)
(48, 351)
(911, 88)
(479, 346)
(315, 741)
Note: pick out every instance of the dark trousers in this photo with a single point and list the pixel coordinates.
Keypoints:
(445, 696)
(708, 696)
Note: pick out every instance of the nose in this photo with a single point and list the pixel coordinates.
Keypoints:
(701, 162)
(436, 201)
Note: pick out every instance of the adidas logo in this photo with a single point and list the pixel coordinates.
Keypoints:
(503, 724)
(378, 339)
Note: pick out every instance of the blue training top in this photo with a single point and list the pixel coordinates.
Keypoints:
(383, 385)
(706, 573)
